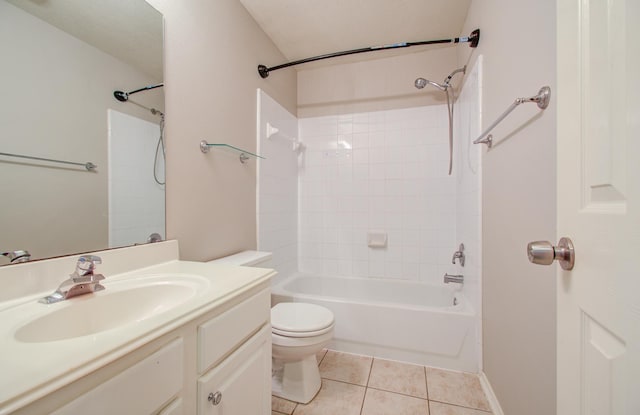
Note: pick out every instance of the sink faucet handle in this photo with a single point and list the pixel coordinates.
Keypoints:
(86, 265)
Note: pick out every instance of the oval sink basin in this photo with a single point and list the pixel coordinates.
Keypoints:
(128, 303)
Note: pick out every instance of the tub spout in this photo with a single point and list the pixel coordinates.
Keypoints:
(453, 278)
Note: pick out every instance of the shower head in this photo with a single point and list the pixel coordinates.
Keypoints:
(124, 96)
(121, 96)
(421, 83)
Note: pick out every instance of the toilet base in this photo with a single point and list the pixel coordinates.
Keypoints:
(296, 381)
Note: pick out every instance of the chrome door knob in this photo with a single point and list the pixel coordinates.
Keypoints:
(543, 253)
(215, 398)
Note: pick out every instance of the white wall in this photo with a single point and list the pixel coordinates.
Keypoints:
(518, 185)
(136, 200)
(277, 184)
(212, 51)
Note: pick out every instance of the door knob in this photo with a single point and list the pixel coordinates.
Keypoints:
(215, 398)
(543, 253)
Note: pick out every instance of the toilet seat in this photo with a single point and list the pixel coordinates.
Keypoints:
(299, 334)
(301, 320)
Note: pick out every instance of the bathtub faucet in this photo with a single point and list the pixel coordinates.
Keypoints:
(459, 254)
(453, 278)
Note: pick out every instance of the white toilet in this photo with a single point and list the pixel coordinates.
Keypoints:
(298, 332)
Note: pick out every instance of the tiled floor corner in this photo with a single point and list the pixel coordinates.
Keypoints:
(349, 368)
(462, 389)
(363, 385)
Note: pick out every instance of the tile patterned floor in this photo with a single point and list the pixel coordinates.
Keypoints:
(362, 385)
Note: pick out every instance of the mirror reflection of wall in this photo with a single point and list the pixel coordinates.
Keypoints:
(136, 203)
(57, 91)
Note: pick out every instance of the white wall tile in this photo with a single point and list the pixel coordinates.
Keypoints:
(383, 171)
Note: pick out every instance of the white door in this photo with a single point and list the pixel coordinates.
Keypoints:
(599, 206)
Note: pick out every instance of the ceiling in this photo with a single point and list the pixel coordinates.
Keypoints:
(299, 28)
(305, 28)
(109, 25)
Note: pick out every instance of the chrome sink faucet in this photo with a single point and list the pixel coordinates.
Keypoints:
(17, 256)
(453, 278)
(459, 254)
(82, 281)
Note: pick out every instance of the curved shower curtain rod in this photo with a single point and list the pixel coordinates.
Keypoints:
(472, 39)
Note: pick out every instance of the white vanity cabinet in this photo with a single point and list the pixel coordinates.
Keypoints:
(225, 353)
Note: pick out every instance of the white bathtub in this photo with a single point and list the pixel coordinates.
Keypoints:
(395, 319)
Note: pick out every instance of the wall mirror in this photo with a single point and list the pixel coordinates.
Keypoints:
(61, 63)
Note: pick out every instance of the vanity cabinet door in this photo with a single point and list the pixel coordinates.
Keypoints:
(241, 384)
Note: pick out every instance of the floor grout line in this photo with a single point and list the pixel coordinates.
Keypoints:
(397, 393)
(366, 388)
(426, 381)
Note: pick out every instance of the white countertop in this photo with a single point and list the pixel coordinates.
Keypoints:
(31, 370)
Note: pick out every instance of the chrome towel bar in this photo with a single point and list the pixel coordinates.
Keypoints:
(88, 165)
(542, 99)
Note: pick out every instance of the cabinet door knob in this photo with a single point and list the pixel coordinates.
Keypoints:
(215, 398)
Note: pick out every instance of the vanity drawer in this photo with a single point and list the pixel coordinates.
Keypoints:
(221, 335)
(141, 389)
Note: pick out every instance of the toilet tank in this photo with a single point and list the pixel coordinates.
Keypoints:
(259, 259)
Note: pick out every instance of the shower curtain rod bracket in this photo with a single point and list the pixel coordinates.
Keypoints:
(473, 39)
(543, 97)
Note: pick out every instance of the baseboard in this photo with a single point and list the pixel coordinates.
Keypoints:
(491, 396)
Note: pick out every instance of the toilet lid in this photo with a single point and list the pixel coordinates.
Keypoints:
(296, 319)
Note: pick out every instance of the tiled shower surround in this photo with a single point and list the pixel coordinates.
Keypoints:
(383, 171)
(380, 171)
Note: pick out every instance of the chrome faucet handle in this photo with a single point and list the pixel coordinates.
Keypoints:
(17, 256)
(84, 269)
(459, 254)
(87, 263)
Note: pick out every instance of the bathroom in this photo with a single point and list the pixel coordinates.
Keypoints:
(211, 51)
